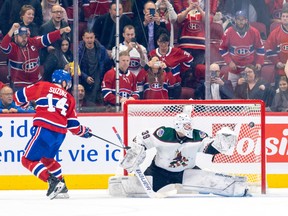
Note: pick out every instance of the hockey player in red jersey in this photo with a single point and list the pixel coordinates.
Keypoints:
(23, 54)
(241, 45)
(176, 59)
(55, 114)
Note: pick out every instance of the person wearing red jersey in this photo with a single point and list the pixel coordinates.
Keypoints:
(127, 82)
(276, 45)
(192, 38)
(23, 54)
(154, 80)
(241, 45)
(176, 59)
(55, 114)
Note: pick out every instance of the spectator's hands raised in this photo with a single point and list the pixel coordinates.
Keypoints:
(66, 29)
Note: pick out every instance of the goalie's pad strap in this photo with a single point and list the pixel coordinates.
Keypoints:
(215, 183)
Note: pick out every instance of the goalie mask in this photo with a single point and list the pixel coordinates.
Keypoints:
(225, 140)
(183, 124)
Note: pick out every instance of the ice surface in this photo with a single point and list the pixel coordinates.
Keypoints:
(99, 202)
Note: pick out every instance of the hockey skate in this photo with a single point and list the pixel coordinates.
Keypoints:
(63, 193)
(55, 187)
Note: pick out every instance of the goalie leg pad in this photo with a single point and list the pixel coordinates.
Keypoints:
(215, 183)
(122, 186)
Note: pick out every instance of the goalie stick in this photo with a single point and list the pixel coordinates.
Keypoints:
(167, 190)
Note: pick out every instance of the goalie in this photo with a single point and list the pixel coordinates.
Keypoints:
(175, 161)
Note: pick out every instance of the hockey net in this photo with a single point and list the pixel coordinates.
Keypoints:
(245, 117)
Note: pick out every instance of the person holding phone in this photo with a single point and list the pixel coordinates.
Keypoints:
(137, 52)
(148, 27)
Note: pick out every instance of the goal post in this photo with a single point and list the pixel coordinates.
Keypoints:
(245, 117)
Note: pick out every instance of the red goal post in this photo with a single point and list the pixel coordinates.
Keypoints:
(245, 117)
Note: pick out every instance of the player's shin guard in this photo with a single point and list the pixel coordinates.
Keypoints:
(215, 183)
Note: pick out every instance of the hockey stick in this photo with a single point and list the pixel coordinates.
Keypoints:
(123, 147)
(144, 181)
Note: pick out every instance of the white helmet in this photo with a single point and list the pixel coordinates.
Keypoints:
(183, 124)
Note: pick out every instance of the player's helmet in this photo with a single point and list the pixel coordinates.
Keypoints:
(60, 75)
(183, 124)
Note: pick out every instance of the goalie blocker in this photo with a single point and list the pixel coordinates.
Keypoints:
(193, 180)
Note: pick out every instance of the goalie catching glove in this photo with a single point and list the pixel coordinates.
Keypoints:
(133, 158)
(225, 141)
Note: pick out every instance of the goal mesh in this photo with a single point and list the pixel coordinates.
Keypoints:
(245, 117)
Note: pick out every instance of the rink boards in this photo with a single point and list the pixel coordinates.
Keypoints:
(88, 163)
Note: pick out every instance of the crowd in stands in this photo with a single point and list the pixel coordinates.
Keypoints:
(162, 50)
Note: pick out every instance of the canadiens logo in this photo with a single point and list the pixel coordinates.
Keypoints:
(194, 27)
(30, 66)
(156, 86)
(134, 63)
(160, 132)
(242, 51)
(284, 48)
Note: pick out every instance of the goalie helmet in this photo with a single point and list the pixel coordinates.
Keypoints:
(59, 76)
(183, 124)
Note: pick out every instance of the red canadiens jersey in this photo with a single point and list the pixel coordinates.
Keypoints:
(55, 107)
(176, 59)
(193, 33)
(25, 61)
(155, 90)
(127, 86)
(276, 46)
(242, 50)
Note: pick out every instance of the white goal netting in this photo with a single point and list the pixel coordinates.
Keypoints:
(246, 118)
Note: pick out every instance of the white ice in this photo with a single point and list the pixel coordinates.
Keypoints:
(99, 202)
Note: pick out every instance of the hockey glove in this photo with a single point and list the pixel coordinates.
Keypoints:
(133, 158)
(86, 132)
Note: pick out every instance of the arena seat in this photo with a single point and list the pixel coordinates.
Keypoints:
(268, 73)
(273, 25)
(261, 27)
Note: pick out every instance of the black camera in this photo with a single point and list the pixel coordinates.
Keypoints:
(244, 75)
(214, 74)
(133, 40)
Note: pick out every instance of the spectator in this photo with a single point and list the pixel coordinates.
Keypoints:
(7, 104)
(192, 38)
(94, 62)
(105, 27)
(55, 23)
(252, 86)
(176, 59)
(59, 58)
(148, 26)
(127, 82)
(23, 54)
(27, 15)
(220, 87)
(167, 15)
(276, 44)
(47, 9)
(241, 45)
(154, 80)
(137, 52)
(10, 10)
(84, 104)
(280, 101)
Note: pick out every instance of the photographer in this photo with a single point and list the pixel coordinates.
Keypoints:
(251, 86)
(221, 88)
